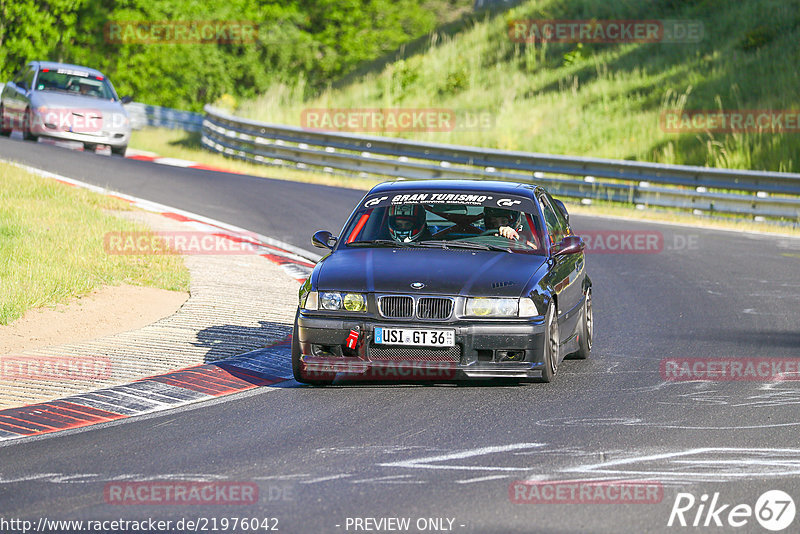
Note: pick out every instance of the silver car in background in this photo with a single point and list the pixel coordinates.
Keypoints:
(67, 102)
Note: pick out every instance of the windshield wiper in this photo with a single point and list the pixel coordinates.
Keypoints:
(465, 244)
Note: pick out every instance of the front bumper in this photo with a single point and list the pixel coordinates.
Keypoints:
(483, 349)
(113, 136)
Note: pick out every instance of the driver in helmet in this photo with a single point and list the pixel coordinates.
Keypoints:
(508, 223)
(408, 223)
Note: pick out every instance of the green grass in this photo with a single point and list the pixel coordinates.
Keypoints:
(601, 100)
(51, 245)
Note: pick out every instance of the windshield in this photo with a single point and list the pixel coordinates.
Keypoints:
(445, 226)
(75, 82)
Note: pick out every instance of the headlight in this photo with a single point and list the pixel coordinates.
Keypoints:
(118, 121)
(492, 307)
(330, 300)
(500, 307)
(479, 306)
(355, 302)
(335, 300)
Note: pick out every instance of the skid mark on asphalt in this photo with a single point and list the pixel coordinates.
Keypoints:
(437, 462)
(709, 464)
(671, 467)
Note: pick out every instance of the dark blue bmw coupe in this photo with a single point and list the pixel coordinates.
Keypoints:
(446, 280)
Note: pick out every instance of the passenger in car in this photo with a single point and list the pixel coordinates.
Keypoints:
(508, 223)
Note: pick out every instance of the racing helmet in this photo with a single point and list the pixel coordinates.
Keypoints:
(513, 216)
(406, 222)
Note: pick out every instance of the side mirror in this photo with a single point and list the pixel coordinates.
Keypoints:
(126, 99)
(571, 244)
(562, 208)
(324, 239)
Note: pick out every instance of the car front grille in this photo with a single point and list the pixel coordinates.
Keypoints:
(434, 308)
(397, 307)
(415, 354)
(404, 307)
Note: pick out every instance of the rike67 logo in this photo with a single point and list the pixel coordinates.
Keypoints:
(774, 510)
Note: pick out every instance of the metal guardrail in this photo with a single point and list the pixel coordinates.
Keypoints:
(709, 190)
(142, 115)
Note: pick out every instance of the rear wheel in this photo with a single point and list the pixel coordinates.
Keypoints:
(586, 330)
(27, 124)
(4, 131)
(297, 364)
(552, 341)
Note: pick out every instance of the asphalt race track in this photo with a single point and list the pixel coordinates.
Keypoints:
(324, 457)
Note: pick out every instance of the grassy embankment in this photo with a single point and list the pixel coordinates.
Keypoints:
(51, 245)
(602, 100)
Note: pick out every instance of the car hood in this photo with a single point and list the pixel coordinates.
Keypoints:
(444, 272)
(64, 100)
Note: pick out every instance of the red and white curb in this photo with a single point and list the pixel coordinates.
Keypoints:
(296, 262)
(132, 153)
(143, 155)
(263, 367)
(268, 366)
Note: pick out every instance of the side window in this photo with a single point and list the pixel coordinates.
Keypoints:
(562, 221)
(554, 228)
(19, 76)
(27, 80)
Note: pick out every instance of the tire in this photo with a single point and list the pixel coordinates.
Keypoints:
(26, 127)
(88, 147)
(297, 365)
(119, 150)
(3, 131)
(586, 330)
(552, 339)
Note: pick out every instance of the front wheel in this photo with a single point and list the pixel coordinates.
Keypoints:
(586, 330)
(119, 150)
(297, 364)
(27, 126)
(552, 341)
(4, 131)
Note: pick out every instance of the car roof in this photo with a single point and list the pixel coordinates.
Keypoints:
(54, 65)
(493, 186)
